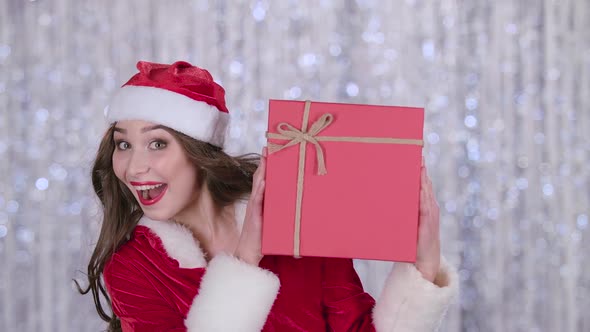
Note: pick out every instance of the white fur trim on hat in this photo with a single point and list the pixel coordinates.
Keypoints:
(179, 112)
(410, 303)
(234, 296)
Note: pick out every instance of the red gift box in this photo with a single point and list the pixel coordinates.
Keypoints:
(342, 180)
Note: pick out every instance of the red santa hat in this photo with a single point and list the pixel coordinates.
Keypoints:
(180, 96)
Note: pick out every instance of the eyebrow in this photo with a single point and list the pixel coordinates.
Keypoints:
(143, 130)
(150, 128)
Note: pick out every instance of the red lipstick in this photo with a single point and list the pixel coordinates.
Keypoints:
(152, 200)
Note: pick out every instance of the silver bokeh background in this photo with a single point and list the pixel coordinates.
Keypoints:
(506, 86)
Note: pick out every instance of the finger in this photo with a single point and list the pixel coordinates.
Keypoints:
(264, 153)
(260, 191)
(422, 177)
(430, 196)
(260, 170)
(256, 173)
(423, 197)
(253, 207)
(429, 191)
(427, 184)
(423, 202)
(429, 199)
(425, 181)
(255, 180)
(258, 200)
(263, 163)
(433, 208)
(261, 174)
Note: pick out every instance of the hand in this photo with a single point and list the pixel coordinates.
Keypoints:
(428, 256)
(250, 243)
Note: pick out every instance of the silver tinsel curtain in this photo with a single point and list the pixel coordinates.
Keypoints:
(506, 86)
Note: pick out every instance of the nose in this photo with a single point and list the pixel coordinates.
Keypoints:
(138, 163)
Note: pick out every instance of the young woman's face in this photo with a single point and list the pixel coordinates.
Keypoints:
(153, 165)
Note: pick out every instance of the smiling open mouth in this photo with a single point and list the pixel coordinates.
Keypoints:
(151, 194)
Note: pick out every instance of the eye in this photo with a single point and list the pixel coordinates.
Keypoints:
(157, 145)
(122, 145)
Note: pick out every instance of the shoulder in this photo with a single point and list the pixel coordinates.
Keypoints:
(177, 242)
(157, 243)
(143, 246)
(169, 242)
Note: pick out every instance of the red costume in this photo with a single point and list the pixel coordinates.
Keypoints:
(160, 281)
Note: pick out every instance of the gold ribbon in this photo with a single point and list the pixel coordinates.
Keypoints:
(303, 136)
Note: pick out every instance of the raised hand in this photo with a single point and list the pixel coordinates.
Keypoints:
(428, 255)
(249, 246)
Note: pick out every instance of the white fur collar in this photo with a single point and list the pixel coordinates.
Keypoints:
(179, 242)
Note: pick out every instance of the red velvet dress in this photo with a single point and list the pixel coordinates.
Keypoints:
(151, 292)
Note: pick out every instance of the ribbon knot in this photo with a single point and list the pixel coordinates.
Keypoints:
(296, 136)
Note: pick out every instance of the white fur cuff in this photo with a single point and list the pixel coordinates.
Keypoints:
(411, 303)
(234, 296)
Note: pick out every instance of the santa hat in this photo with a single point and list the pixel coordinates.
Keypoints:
(180, 96)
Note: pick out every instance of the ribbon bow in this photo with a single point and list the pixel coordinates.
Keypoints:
(296, 136)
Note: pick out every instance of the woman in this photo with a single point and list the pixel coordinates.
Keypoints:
(179, 247)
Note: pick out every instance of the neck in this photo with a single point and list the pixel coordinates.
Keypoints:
(215, 230)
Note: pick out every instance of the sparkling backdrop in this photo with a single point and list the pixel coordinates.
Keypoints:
(506, 86)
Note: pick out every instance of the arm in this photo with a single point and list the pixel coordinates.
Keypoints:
(230, 294)
(234, 296)
(409, 302)
(415, 296)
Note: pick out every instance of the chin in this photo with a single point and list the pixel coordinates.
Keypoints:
(158, 215)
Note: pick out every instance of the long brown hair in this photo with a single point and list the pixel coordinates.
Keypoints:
(227, 178)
